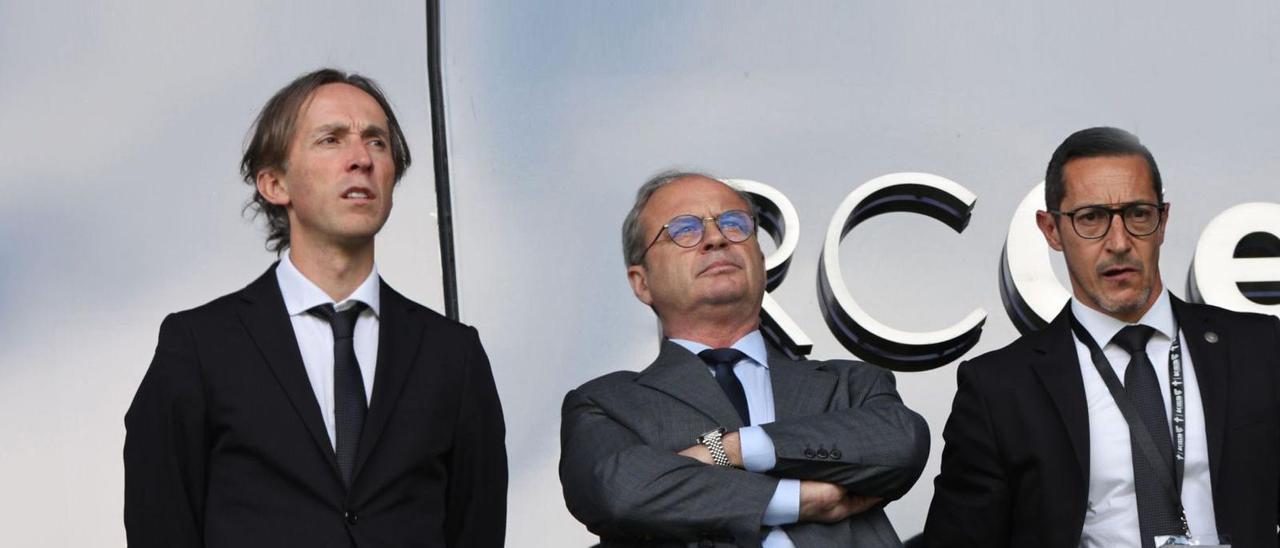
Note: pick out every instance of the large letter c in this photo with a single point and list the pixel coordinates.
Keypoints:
(922, 193)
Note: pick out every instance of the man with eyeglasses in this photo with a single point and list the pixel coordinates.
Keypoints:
(723, 441)
(1132, 417)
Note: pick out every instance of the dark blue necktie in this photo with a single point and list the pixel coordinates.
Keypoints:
(1157, 513)
(723, 360)
(349, 404)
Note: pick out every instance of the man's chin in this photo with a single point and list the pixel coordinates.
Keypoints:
(354, 239)
(1125, 304)
(362, 229)
(723, 297)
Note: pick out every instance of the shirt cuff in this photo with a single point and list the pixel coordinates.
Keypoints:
(784, 507)
(757, 449)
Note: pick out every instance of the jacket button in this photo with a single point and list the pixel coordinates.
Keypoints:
(351, 517)
(835, 454)
(822, 453)
(808, 453)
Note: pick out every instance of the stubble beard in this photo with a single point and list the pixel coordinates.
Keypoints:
(1114, 306)
(1124, 308)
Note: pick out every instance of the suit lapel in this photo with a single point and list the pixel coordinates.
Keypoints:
(1058, 367)
(400, 334)
(263, 313)
(1210, 362)
(799, 389)
(683, 376)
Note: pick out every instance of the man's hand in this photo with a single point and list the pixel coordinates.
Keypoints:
(828, 503)
(732, 449)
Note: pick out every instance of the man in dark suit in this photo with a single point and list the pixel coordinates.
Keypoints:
(317, 406)
(722, 441)
(1133, 415)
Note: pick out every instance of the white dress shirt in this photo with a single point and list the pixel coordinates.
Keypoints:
(1111, 518)
(758, 453)
(315, 337)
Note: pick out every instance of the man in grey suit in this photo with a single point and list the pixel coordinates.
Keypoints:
(722, 441)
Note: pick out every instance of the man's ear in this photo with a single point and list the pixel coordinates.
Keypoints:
(1164, 222)
(271, 186)
(1049, 227)
(638, 277)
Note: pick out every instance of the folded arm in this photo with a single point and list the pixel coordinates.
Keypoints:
(621, 487)
(795, 500)
(877, 447)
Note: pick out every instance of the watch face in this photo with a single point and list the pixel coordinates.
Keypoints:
(709, 434)
(712, 441)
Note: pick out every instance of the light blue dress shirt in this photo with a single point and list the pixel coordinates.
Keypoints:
(757, 448)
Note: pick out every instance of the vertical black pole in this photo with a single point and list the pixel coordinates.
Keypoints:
(440, 154)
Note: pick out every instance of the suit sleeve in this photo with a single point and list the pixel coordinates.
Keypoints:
(1275, 371)
(476, 497)
(971, 494)
(876, 447)
(622, 488)
(165, 448)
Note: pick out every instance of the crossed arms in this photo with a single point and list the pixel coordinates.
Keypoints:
(621, 483)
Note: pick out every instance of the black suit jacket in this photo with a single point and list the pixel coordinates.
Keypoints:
(226, 446)
(1015, 467)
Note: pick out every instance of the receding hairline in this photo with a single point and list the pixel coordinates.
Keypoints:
(693, 177)
(1142, 161)
(690, 177)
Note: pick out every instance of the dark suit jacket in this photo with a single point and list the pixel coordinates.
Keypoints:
(837, 421)
(1015, 467)
(226, 446)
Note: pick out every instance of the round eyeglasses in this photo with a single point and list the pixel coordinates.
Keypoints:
(1093, 222)
(687, 230)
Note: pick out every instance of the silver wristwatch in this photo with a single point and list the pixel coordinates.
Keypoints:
(714, 442)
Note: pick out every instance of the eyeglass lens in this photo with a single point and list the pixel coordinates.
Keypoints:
(1094, 221)
(687, 230)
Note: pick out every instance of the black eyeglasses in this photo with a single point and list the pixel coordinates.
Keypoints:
(687, 230)
(1093, 222)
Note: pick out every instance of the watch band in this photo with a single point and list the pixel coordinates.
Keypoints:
(714, 442)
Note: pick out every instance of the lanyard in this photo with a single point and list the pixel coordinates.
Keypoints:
(1171, 480)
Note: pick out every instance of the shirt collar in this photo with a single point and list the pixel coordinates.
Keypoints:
(301, 294)
(751, 344)
(1103, 327)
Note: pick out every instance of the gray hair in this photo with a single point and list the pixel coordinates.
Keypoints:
(633, 237)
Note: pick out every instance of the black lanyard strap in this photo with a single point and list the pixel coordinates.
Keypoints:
(1138, 433)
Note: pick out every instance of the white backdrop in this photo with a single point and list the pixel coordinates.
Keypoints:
(121, 127)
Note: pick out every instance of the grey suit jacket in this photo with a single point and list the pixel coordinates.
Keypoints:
(837, 421)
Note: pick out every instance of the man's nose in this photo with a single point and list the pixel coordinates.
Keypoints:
(712, 238)
(1118, 239)
(359, 159)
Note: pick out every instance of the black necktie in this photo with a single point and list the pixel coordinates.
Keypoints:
(723, 360)
(1157, 513)
(349, 404)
